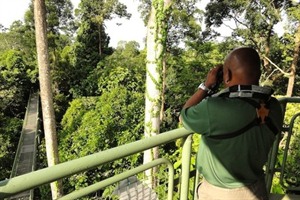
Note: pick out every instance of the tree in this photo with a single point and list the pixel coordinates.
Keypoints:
(254, 23)
(45, 91)
(9, 39)
(184, 23)
(15, 83)
(60, 35)
(115, 117)
(294, 18)
(184, 27)
(294, 64)
(156, 43)
(92, 42)
(9, 134)
(98, 11)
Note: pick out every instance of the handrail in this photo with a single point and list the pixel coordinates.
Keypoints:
(17, 154)
(37, 125)
(270, 168)
(285, 154)
(93, 188)
(40, 177)
(284, 100)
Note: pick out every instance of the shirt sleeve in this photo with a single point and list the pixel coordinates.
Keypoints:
(196, 118)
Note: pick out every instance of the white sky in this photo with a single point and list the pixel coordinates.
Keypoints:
(133, 29)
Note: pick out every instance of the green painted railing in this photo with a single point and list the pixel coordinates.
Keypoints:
(18, 152)
(271, 169)
(34, 179)
(93, 188)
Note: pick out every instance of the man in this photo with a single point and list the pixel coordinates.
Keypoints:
(238, 126)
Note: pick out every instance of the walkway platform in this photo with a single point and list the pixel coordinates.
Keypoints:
(26, 153)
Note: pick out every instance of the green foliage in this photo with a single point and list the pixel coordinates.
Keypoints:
(10, 130)
(10, 39)
(254, 25)
(184, 74)
(16, 79)
(98, 123)
(59, 18)
(15, 83)
(43, 191)
(60, 31)
(293, 13)
(92, 41)
(93, 124)
(125, 67)
(184, 25)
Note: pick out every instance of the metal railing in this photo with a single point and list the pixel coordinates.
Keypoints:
(34, 179)
(47, 175)
(271, 164)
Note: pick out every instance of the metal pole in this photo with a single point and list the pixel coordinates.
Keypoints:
(93, 188)
(186, 161)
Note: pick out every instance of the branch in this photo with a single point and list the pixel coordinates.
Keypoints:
(268, 78)
(237, 20)
(283, 72)
(228, 26)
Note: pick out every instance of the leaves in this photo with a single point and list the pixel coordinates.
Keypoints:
(98, 123)
(9, 134)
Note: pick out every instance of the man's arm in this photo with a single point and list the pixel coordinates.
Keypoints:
(200, 94)
(211, 79)
(196, 98)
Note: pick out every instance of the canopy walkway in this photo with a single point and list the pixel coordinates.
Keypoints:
(22, 181)
(26, 153)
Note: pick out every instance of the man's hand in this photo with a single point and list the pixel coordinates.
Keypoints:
(212, 78)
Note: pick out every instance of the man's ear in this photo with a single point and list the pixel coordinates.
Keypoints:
(227, 76)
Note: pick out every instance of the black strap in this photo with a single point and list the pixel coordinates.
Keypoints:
(255, 122)
(272, 126)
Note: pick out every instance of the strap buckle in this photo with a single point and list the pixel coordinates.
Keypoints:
(262, 113)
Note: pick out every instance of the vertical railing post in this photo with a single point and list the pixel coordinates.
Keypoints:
(271, 163)
(186, 161)
(196, 183)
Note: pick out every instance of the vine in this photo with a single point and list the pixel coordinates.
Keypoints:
(162, 12)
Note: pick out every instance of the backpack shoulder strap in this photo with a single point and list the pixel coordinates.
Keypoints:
(262, 110)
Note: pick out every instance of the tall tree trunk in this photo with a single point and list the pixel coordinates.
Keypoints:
(152, 96)
(292, 77)
(156, 35)
(45, 90)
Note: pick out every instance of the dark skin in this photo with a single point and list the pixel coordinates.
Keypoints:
(241, 67)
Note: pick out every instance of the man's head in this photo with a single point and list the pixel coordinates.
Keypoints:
(242, 67)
